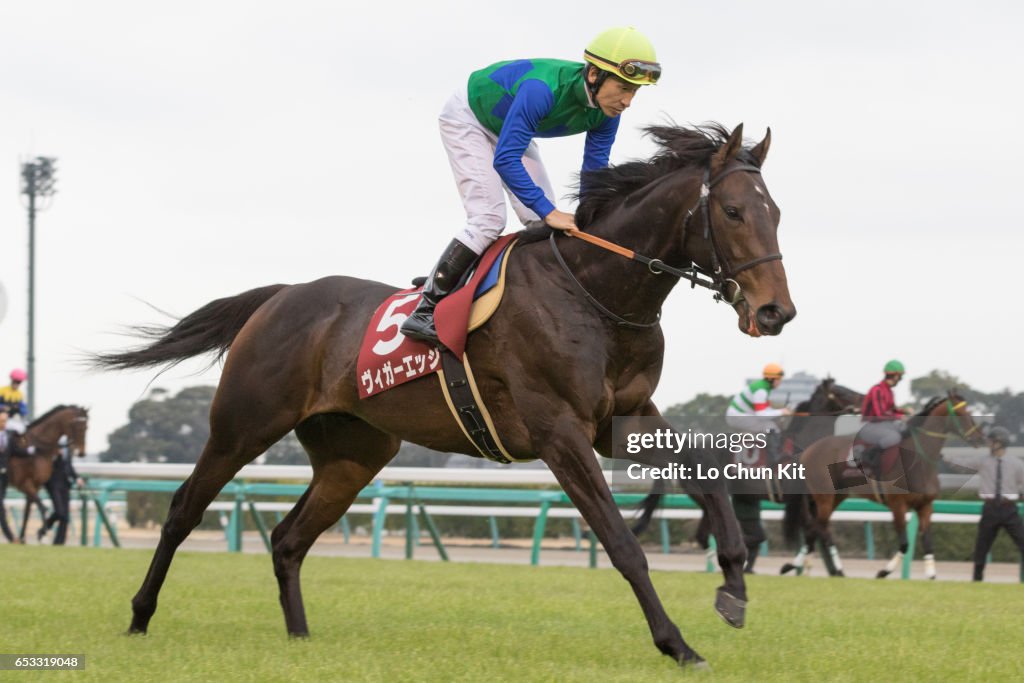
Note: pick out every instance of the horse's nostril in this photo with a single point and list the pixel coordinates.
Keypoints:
(769, 315)
(772, 318)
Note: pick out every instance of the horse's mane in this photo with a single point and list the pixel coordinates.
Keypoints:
(923, 413)
(49, 413)
(680, 148)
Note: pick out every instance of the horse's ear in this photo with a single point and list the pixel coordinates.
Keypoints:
(728, 151)
(760, 151)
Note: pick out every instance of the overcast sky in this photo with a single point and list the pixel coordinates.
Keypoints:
(206, 148)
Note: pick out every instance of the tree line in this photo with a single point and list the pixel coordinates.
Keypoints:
(169, 428)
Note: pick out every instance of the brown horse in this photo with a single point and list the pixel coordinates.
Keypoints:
(813, 419)
(554, 366)
(912, 483)
(29, 475)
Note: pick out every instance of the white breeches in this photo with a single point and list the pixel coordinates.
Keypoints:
(470, 149)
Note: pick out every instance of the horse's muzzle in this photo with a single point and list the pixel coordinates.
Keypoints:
(771, 318)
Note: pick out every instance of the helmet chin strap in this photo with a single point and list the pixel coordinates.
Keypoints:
(592, 88)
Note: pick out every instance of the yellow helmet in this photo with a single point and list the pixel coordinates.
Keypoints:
(626, 53)
(772, 370)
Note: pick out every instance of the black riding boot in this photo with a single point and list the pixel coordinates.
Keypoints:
(455, 261)
(872, 458)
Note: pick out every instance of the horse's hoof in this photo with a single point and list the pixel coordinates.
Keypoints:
(135, 631)
(732, 610)
(882, 573)
(786, 568)
(694, 663)
(40, 534)
(841, 574)
(932, 578)
(299, 635)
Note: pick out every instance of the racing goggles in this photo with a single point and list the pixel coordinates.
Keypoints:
(632, 69)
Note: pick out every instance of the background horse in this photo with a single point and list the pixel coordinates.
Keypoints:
(911, 484)
(828, 401)
(554, 366)
(29, 475)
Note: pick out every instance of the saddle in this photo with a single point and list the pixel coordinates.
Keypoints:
(388, 359)
(856, 471)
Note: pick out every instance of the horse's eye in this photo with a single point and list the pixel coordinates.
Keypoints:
(732, 212)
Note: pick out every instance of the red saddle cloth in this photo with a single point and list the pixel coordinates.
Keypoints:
(387, 358)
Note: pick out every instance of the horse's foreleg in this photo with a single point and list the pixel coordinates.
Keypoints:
(31, 498)
(731, 600)
(346, 455)
(703, 533)
(569, 455)
(899, 521)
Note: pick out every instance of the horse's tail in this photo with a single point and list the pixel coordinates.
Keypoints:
(793, 518)
(210, 329)
(647, 508)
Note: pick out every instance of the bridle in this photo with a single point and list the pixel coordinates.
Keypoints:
(721, 273)
(717, 279)
(952, 410)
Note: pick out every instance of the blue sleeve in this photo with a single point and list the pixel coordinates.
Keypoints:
(531, 104)
(598, 148)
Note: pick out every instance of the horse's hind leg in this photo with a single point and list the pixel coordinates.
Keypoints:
(346, 455)
(234, 442)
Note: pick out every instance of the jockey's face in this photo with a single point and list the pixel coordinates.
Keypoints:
(614, 96)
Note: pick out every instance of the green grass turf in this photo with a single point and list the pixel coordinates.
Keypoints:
(381, 620)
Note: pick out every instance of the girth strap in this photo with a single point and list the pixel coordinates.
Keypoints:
(463, 399)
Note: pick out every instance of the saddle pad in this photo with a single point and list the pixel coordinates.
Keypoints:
(387, 358)
(451, 318)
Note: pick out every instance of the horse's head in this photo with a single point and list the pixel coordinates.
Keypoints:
(62, 421)
(740, 246)
(951, 412)
(701, 201)
(842, 399)
(831, 398)
(76, 430)
(961, 420)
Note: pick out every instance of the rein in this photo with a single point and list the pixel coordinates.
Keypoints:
(717, 280)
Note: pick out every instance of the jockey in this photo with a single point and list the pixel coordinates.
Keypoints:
(11, 398)
(488, 130)
(882, 428)
(751, 410)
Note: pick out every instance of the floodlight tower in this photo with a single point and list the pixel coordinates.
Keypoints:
(37, 180)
